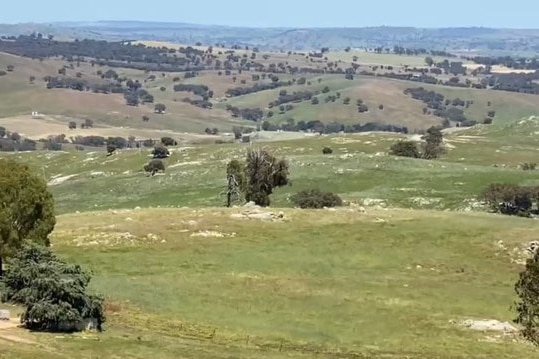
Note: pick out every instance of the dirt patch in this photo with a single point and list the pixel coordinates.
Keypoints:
(214, 234)
(59, 179)
(489, 325)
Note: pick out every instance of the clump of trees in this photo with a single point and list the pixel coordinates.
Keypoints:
(314, 198)
(259, 175)
(52, 292)
(512, 199)
(432, 148)
(27, 210)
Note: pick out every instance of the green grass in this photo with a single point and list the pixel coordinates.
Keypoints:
(337, 283)
(359, 170)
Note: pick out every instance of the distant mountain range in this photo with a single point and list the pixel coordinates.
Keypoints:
(478, 39)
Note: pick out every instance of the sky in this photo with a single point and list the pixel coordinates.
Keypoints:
(283, 13)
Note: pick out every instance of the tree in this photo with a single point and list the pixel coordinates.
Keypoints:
(160, 108)
(325, 89)
(154, 166)
(405, 149)
(263, 174)
(527, 306)
(266, 125)
(315, 101)
(10, 68)
(429, 61)
(160, 152)
(88, 123)
(52, 292)
(168, 141)
(110, 149)
(327, 151)
(27, 210)
(235, 174)
(72, 125)
(145, 118)
(433, 143)
(3, 132)
(32, 79)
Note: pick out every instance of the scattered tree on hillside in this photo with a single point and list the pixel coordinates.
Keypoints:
(527, 306)
(160, 108)
(160, 152)
(168, 141)
(10, 68)
(88, 123)
(433, 147)
(429, 61)
(263, 174)
(72, 125)
(52, 292)
(110, 149)
(154, 166)
(327, 150)
(235, 174)
(27, 210)
(145, 118)
(32, 79)
(3, 132)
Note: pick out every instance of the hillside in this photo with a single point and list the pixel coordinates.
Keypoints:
(411, 262)
(485, 40)
(80, 91)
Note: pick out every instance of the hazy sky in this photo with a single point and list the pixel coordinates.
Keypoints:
(288, 13)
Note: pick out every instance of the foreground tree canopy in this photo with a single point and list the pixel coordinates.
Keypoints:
(527, 307)
(52, 292)
(26, 209)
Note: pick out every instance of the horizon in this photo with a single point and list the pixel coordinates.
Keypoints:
(75, 22)
(281, 14)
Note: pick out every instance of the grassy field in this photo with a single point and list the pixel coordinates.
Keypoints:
(390, 275)
(359, 170)
(379, 284)
(19, 97)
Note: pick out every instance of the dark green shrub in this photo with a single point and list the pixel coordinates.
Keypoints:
(327, 151)
(405, 149)
(154, 166)
(168, 141)
(527, 306)
(528, 166)
(315, 198)
(160, 152)
(511, 199)
(52, 292)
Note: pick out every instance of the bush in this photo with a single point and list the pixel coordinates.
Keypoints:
(511, 199)
(52, 292)
(528, 166)
(168, 141)
(315, 198)
(110, 149)
(327, 151)
(154, 166)
(160, 152)
(405, 149)
(53, 146)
